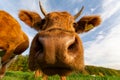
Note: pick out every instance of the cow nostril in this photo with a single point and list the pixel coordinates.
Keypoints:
(73, 47)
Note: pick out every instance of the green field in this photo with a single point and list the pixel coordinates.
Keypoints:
(18, 70)
(19, 75)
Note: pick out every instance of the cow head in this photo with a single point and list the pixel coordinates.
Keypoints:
(57, 48)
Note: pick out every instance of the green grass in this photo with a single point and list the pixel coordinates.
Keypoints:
(18, 75)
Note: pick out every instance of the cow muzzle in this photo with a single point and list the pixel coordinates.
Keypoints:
(58, 51)
(54, 49)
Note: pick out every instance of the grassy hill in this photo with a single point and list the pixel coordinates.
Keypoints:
(18, 70)
(90, 73)
(18, 75)
(101, 71)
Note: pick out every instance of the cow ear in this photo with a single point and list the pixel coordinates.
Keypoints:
(87, 23)
(30, 18)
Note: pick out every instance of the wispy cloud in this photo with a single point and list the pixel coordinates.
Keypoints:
(110, 7)
(105, 49)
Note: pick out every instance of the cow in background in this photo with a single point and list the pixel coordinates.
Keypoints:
(13, 41)
(57, 48)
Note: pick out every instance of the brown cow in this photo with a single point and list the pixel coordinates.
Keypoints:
(13, 41)
(57, 48)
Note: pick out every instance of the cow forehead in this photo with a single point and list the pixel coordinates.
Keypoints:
(59, 19)
(60, 15)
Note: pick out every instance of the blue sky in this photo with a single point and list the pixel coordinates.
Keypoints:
(102, 44)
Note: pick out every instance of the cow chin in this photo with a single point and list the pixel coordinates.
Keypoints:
(60, 68)
(62, 71)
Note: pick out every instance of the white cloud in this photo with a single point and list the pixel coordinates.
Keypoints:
(92, 9)
(104, 50)
(76, 10)
(109, 8)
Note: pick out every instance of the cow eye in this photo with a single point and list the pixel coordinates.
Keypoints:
(43, 21)
(37, 24)
(75, 24)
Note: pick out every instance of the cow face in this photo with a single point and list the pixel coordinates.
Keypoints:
(57, 48)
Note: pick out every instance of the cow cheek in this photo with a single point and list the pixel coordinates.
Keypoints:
(76, 57)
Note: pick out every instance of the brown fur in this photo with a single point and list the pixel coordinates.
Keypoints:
(12, 39)
(57, 48)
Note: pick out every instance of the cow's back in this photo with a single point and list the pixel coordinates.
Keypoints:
(10, 30)
(13, 41)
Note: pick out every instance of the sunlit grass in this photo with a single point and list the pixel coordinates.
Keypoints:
(18, 75)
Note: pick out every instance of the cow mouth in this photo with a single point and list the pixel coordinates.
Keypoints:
(56, 70)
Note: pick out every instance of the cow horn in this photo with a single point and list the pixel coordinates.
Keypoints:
(42, 10)
(79, 13)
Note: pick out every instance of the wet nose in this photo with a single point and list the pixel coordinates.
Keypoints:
(57, 49)
(47, 50)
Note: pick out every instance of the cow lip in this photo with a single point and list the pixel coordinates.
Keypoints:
(57, 70)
